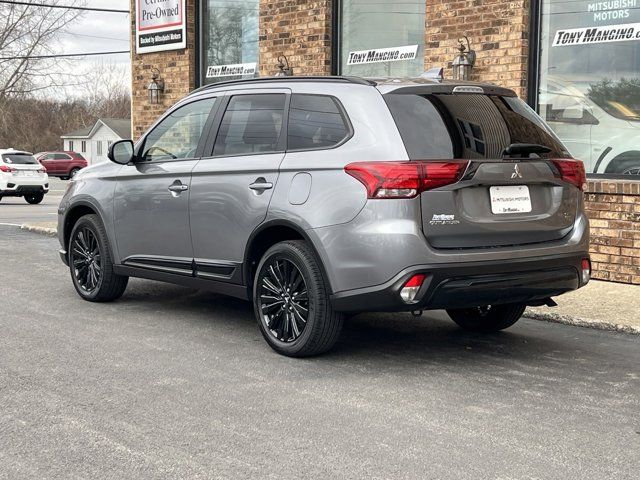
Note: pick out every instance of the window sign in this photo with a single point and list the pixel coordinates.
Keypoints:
(589, 83)
(379, 38)
(160, 25)
(229, 39)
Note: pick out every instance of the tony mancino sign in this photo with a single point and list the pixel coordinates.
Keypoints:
(392, 54)
(601, 34)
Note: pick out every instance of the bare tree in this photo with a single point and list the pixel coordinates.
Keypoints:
(28, 32)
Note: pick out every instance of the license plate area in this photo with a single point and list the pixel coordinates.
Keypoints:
(510, 199)
(26, 173)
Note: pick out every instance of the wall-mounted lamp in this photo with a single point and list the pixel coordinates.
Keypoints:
(284, 69)
(156, 87)
(464, 61)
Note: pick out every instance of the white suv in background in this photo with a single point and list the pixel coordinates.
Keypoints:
(22, 176)
(605, 137)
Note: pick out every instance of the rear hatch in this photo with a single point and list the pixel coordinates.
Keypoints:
(514, 190)
(21, 164)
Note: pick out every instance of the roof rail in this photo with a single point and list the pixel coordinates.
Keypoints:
(310, 78)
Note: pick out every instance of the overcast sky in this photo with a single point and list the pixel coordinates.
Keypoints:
(113, 28)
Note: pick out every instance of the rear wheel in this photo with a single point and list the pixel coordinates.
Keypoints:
(291, 301)
(90, 262)
(34, 198)
(73, 172)
(489, 318)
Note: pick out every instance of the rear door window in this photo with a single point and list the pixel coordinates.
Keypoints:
(316, 122)
(251, 124)
(471, 126)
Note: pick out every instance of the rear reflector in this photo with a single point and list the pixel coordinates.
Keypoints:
(405, 179)
(572, 171)
(410, 289)
(586, 271)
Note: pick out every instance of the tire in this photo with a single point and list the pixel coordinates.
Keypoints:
(73, 172)
(491, 318)
(294, 264)
(89, 245)
(64, 178)
(34, 198)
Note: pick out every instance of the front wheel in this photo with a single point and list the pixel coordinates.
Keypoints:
(291, 301)
(489, 318)
(90, 262)
(34, 198)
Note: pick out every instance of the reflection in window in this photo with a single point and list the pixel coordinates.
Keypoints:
(230, 34)
(315, 121)
(251, 124)
(178, 134)
(370, 24)
(589, 93)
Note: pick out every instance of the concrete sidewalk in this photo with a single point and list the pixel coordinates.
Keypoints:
(602, 305)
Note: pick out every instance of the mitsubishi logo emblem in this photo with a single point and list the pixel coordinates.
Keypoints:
(516, 172)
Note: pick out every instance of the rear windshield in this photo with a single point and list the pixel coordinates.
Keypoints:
(467, 125)
(18, 158)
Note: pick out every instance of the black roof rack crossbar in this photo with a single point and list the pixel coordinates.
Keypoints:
(310, 78)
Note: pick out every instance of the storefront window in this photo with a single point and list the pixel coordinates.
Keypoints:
(229, 39)
(382, 38)
(589, 83)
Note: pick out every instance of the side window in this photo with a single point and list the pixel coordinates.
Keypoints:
(315, 121)
(251, 124)
(178, 134)
(61, 156)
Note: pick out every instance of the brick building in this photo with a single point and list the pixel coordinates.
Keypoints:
(576, 62)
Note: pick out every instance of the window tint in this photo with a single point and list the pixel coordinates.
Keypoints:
(61, 156)
(178, 134)
(467, 126)
(18, 158)
(421, 127)
(315, 121)
(251, 124)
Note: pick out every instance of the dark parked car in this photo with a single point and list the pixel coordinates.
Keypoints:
(318, 197)
(62, 164)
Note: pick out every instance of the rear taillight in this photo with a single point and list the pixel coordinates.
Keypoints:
(6, 169)
(405, 179)
(572, 171)
(586, 271)
(411, 288)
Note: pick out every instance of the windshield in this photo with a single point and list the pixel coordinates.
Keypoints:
(19, 158)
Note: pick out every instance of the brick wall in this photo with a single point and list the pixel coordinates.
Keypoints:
(177, 69)
(299, 29)
(498, 31)
(614, 212)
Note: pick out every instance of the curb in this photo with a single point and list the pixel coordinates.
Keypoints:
(582, 322)
(52, 232)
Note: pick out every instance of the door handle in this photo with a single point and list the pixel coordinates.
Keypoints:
(176, 188)
(261, 185)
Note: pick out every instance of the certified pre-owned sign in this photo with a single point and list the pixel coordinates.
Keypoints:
(231, 70)
(391, 54)
(601, 34)
(160, 25)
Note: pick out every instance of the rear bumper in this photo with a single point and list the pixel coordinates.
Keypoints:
(13, 190)
(463, 285)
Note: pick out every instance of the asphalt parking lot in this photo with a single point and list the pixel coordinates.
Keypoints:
(15, 210)
(170, 382)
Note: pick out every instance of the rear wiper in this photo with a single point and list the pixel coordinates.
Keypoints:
(524, 149)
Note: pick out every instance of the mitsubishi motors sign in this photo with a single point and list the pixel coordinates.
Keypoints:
(160, 25)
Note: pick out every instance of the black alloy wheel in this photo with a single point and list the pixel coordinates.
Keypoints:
(90, 262)
(284, 300)
(291, 301)
(86, 259)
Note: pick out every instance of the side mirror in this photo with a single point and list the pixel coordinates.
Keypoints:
(121, 152)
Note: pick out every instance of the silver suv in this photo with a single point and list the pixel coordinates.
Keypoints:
(315, 197)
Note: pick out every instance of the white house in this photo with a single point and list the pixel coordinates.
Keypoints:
(93, 142)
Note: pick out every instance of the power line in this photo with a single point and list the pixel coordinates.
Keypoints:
(96, 36)
(68, 7)
(90, 54)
